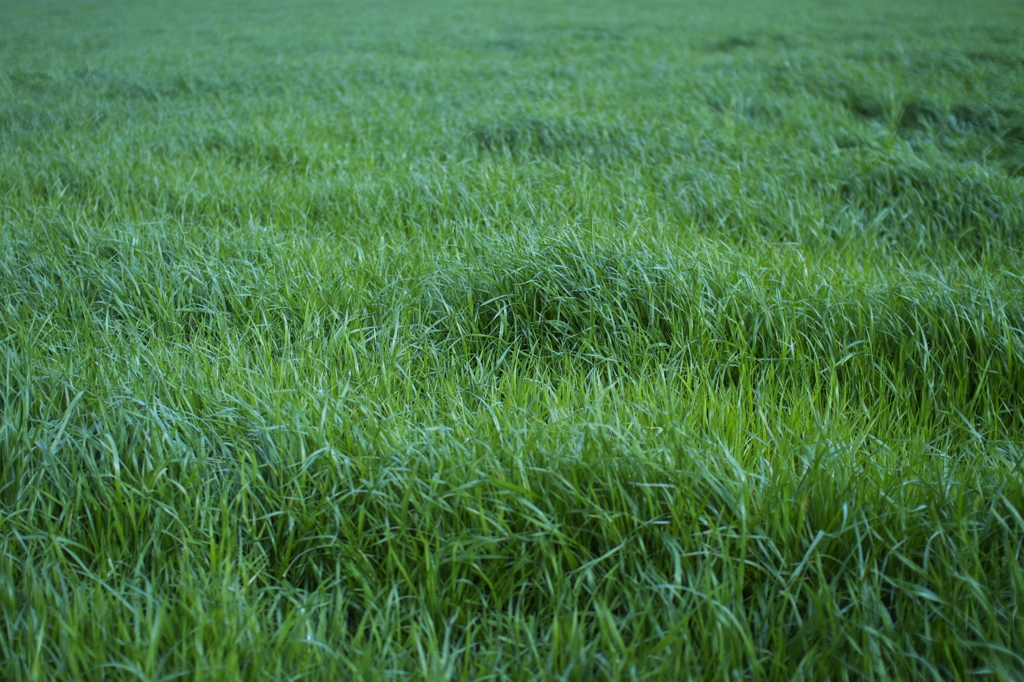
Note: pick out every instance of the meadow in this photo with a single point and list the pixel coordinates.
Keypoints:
(659, 340)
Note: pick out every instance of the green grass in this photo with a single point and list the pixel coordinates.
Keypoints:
(464, 341)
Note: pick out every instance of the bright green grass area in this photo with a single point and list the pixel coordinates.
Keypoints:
(503, 340)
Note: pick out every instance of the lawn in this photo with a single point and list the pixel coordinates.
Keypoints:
(515, 340)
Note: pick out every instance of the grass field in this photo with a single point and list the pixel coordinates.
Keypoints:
(511, 340)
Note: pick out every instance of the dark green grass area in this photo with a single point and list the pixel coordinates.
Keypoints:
(648, 341)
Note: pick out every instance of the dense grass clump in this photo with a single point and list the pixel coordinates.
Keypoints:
(566, 141)
(528, 341)
(559, 297)
(919, 208)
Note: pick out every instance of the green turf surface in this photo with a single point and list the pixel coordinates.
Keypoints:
(502, 340)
